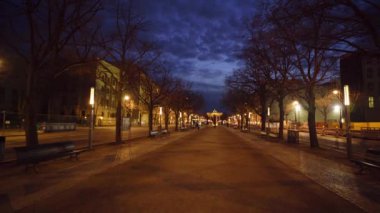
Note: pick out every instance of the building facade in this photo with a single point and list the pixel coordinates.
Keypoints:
(362, 73)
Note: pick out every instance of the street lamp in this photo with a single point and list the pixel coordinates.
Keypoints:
(92, 104)
(346, 101)
(160, 118)
(297, 108)
(337, 93)
(268, 114)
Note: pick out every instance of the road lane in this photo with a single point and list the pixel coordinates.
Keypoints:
(213, 171)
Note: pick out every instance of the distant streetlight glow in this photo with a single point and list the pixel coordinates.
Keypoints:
(268, 111)
(126, 97)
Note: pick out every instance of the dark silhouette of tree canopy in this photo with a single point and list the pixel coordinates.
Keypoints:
(41, 33)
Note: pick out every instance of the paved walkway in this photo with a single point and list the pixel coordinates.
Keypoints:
(212, 170)
(328, 168)
(102, 135)
(19, 189)
(215, 169)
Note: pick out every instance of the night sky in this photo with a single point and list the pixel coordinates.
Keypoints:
(200, 39)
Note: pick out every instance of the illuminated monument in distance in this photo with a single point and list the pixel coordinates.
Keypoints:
(215, 117)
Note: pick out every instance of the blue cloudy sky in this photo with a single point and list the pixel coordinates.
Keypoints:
(199, 38)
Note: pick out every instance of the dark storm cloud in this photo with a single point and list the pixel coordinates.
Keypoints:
(200, 38)
(206, 30)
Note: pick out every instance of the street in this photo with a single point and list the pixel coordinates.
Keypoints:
(212, 170)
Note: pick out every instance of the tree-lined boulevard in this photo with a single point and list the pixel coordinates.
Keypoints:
(213, 169)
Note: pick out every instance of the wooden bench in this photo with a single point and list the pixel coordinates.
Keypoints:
(370, 160)
(31, 156)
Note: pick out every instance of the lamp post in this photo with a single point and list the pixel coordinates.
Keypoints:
(249, 121)
(268, 115)
(346, 91)
(92, 104)
(297, 108)
(160, 118)
(338, 95)
(128, 106)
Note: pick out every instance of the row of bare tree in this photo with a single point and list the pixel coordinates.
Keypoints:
(293, 48)
(52, 37)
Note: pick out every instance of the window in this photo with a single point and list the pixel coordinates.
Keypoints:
(371, 102)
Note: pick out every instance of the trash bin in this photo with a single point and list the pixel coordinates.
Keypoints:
(2, 147)
(293, 136)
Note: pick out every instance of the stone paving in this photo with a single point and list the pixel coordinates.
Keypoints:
(326, 167)
(329, 169)
(19, 189)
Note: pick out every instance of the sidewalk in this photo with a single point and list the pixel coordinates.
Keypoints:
(328, 168)
(19, 189)
(102, 135)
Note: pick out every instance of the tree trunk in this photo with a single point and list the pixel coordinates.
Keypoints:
(263, 102)
(282, 115)
(150, 119)
(311, 120)
(30, 111)
(176, 120)
(246, 120)
(167, 114)
(118, 137)
(30, 121)
(242, 121)
(263, 118)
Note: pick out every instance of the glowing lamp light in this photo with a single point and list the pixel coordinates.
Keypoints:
(337, 108)
(268, 111)
(92, 96)
(126, 97)
(298, 108)
(346, 91)
(160, 110)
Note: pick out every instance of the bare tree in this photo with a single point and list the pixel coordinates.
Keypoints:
(155, 84)
(266, 52)
(127, 51)
(48, 29)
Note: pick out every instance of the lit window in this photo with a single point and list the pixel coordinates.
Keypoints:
(371, 102)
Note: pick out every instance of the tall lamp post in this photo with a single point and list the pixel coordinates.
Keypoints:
(346, 91)
(338, 95)
(92, 104)
(297, 108)
(268, 114)
(160, 118)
